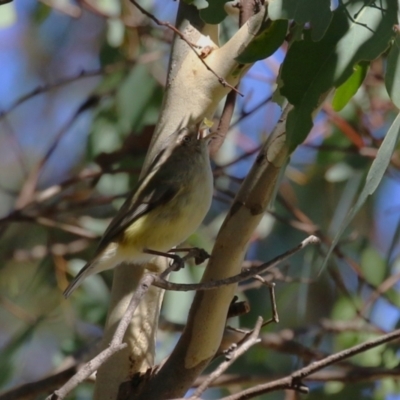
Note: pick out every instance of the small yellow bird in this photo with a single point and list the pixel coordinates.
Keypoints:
(163, 210)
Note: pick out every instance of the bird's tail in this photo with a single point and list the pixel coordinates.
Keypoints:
(83, 273)
(106, 259)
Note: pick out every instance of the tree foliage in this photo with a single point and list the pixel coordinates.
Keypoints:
(312, 149)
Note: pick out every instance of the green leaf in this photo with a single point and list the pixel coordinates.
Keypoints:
(373, 266)
(392, 77)
(13, 346)
(348, 89)
(265, 44)
(311, 69)
(133, 97)
(41, 13)
(8, 15)
(374, 177)
(199, 4)
(317, 12)
(214, 13)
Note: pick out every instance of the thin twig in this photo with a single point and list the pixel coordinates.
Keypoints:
(35, 389)
(344, 375)
(221, 80)
(251, 340)
(237, 159)
(249, 273)
(9, 130)
(271, 289)
(387, 284)
(308, 226)
(293, 381)
(74, 229)
(245, 12)
(115, 345)
(245, 114)
(29, 187)
(224, 122)
(108, 69)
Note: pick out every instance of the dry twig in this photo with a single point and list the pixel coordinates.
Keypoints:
(294, 380)
(250, 340)
(248, 273)
(115, 345)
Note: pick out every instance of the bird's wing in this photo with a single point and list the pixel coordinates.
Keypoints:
(143, 200)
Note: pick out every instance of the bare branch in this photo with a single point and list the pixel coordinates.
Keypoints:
(294, 380)
(344, 375)
(251, 340)
(248, 273)
(29, 187)
(34, 389)
(224, 121)
(115, 345)
(271, 289)
(108, 69)
(229, 106)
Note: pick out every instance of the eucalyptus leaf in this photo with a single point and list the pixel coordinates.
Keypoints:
(374, 177)
(316, 12)
(373, 265)
(8, 15)
(392, 76)
(311, 69)
(8, 351)
(199, 4)
(215, 12)
(348, 89)
(41, 12)
(133, 97)
(265, 44)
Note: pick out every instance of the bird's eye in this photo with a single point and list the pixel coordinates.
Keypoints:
(186, 139)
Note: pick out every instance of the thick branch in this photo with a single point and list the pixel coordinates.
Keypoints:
(202, 336)
(192, 93)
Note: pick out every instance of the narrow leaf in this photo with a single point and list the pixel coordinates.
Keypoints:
(215, 12)
(392, 76)
(374, 177)
(265, 44)
(311, 69)
(348, 89)
(316, 12)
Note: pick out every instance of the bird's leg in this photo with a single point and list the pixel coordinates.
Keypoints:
(199, 255)
(178, 262)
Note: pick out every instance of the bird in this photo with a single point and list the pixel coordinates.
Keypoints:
(165, 207)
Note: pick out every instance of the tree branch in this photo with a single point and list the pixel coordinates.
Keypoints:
(192, 93)
(246, 274)
(294, 380)
(115, 345)
(193, 46)
(250, 341)
(202, 335)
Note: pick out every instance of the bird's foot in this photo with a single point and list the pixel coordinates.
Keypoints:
(177, 262)
(199, 255)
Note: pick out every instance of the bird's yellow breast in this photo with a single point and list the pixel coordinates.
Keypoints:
(169, 224)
